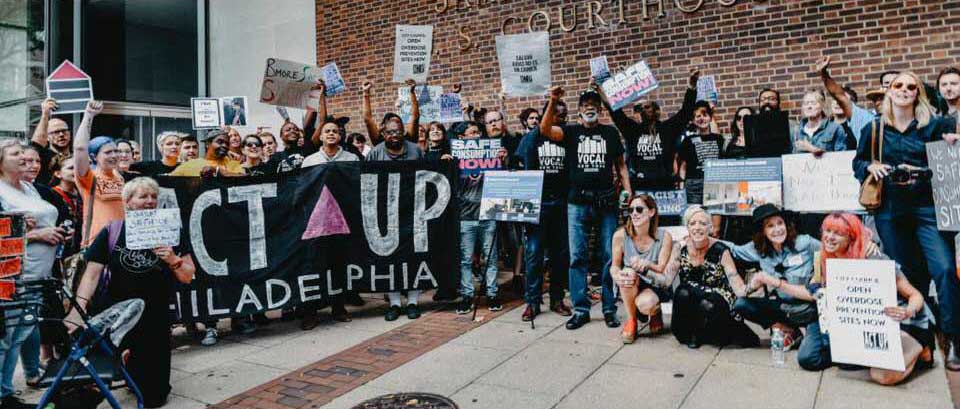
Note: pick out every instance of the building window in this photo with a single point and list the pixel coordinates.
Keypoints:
(22, 48)
(142, 50)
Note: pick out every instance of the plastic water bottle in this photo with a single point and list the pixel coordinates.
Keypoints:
(776, 347)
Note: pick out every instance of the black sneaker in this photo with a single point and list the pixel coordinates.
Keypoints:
(578, 320)
(493, 304)
(611, 320)
(393, 313)
(13, 402)
(413, 311)
(465, 305)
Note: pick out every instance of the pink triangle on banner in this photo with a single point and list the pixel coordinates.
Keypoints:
(326, 219)
(68, 71)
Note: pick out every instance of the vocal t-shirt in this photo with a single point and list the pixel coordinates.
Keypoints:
(590, 155)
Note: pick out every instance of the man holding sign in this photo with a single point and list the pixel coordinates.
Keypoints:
(593, 152)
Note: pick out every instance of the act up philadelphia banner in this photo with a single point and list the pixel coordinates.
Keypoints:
(263, 243)
(524, 63)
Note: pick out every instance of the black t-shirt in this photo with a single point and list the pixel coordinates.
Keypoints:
(136, 273)
(697, 149)
(590, 156)
(551, 158)
(151, 168)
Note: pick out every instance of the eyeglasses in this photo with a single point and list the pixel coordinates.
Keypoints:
(637, 209)
(392, 132)
(253, 145)
(58, 132)
(898, 85)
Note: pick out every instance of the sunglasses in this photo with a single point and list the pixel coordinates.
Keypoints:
(637, 209)
(898, 85)
(253, 145)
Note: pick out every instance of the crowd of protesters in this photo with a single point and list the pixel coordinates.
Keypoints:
(74, 190)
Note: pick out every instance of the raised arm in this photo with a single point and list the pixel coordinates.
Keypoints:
(373, 131)
(40, 133)
(81, 142)
(835, 90)
(680, 119)
(413, 128)
(547, 129)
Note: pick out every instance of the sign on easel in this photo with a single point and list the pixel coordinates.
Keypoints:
(71, 87)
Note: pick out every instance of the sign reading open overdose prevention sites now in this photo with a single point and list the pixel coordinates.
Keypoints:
(627, 86)
(944, 161)
(857, 292)
(71, 87)
(524, 63)
(736, 187)
(412, 52)
(511, 196)
(820, 185)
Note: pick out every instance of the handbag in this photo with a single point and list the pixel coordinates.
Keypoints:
(871, 191)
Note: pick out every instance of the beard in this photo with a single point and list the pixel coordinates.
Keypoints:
(222, 151)
(393, 144)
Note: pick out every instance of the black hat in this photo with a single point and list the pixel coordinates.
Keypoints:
(764, 211)
(591, 96)
(213, 133)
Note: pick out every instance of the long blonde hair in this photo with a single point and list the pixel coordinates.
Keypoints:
(922, 110)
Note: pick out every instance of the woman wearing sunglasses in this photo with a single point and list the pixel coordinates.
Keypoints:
(253, 156)
(640, 255)
(906, 220)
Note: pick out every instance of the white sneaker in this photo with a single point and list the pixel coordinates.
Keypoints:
(210, 337)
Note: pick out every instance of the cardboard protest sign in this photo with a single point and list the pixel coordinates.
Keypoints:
(289, 83)
(476, 155)
(71, 87)
(856, 293)
(205, 113)
(233, 111)
(524, 63)
(623, 88)
(428, 97)
(669, 202)
(820, 185)
(149, 229)
(944, 161)
(511, 196)
(333, 80)
(599, 68)
(450, 111)
(13, 244)
(412, 52)
(707, 89)
(736, 187)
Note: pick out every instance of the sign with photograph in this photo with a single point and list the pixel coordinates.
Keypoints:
(289, 84)
(820, 185)
(233, 111)
(152, 228)
(511, 196)
(412, 52)
(623, 88)
(333, 80)
(599, 68)
(860, 333)
(736, 187)
(524, 64)
(944, 162)
(428, 98)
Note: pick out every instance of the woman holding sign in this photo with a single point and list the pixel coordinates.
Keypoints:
(145, 274)
(845, 237)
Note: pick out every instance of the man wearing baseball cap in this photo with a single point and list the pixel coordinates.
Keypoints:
(215, 163)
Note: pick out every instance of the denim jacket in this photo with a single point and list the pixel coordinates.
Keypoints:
(829, 136)
(797, 262)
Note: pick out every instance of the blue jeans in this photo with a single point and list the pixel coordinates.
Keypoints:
(549, 236)
(474, 234)
(15, 336)
(30, 354)
(911, 238)
(579, 219)
(814, 352)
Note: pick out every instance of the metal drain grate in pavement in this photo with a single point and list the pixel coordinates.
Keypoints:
(411, 400)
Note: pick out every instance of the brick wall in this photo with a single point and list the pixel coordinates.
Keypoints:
(747, 46)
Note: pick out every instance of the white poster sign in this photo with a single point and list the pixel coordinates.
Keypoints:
(149, 229)
(412, 52)
(289, 83)
(524, 63)
(205, 112)
(856, 293)
(821, 185)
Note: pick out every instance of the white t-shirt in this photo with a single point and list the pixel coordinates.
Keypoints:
(320, 157)
(38, 262)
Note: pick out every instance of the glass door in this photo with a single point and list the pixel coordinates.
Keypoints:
(141, 123)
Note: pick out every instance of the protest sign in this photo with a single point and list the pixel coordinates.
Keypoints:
(152, 228)
(524, 63)
(233, 111)
(205, 113)
(428, 98)
(623, 88)
(332, 80)
(599, 68)
(860, 334)
(476, 155)
(289, 83)
(820, 185)
(71, 87)
(450, 111)
(736, 187)
(944, 161)
(669, 202)
(511, 196)
(283, 240)
(707, 89)
(412, 52)
(13, 244)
